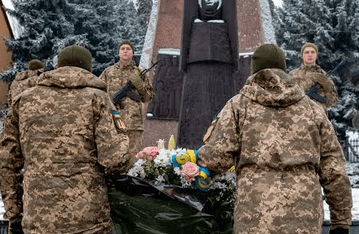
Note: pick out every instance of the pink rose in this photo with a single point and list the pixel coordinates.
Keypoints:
(148, 153)
(190, 171)
(140, 155)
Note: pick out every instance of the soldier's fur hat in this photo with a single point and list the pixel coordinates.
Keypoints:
(308, 45)
(74, 55)
(268, 56)
(128, 43)
(35, 64)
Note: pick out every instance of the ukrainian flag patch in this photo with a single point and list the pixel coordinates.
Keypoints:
(118, 121)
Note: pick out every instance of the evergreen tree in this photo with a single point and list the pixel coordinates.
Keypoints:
(48, 26)
(106, 24)
(333, 26)
(272, 8)
(51, 25)
(144, 11)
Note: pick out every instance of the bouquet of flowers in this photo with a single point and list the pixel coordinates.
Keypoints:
(178, 167)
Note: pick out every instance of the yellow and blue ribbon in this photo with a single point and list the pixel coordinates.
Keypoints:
(181, 159)
(202, 181)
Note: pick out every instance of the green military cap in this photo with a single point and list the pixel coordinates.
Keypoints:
(127, 42)
(77, 56)
(268, 56)
(35, 64)
(308, 45)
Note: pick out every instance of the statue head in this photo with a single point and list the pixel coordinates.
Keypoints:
(210, 5)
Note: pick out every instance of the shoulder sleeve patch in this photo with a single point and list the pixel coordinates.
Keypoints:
(120, 125)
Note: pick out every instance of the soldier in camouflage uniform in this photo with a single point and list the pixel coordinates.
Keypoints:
(60, 137)
(4, 89)
(116, 77)
(26, 79)
(309, 74)
(284, 150)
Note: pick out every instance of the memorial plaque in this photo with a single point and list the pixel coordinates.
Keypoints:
(167, 83)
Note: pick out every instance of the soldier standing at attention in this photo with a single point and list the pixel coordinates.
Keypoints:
(313, 79)
(284, 150)
(59, 139)
(116, 77)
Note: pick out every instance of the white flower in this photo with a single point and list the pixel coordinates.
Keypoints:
(231, 178)
(163, 159)
(181, 151)
(139, 162)
(137, 169)
(177, 170)
(159, 180)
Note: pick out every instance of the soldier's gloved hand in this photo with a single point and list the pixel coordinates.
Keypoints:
(137, 81)
(339, 230)
(15, 226)
(323, 81)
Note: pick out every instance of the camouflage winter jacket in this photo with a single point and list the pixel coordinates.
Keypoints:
(23, 81)
(61, 136)
(306, 76)
(116, 77)
(284, 150)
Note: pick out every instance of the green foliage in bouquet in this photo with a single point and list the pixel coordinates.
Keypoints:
(153, 171)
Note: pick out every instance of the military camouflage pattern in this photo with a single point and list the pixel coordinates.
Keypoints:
(4, 90)
(62, 134)
(23, 81)
(284, 150)
(136, 141)
(116, 77)
(305, 77)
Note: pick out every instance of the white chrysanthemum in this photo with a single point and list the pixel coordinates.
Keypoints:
(137, 172)
(132, 172)
(159, 180)
(218, 185)
(163, 159)
(137, 169)
(177, 170)
(139, 162)
(231, 178)
(181, 151)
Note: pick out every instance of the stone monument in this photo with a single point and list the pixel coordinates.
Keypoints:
(164, 39)
(209, 60)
